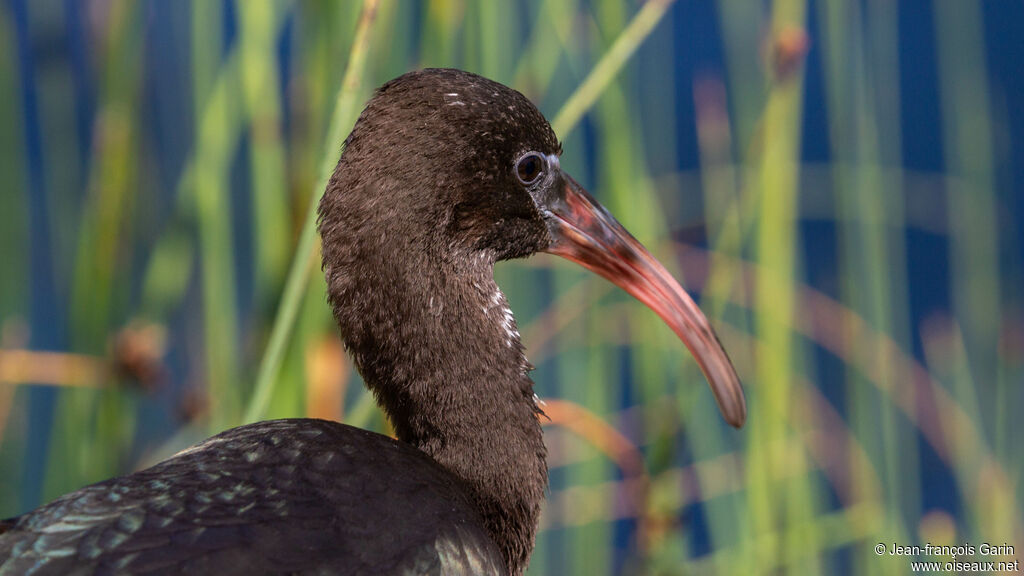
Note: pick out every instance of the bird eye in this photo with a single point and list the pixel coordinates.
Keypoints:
(529, 168)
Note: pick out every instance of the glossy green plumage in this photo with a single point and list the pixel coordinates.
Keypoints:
(286, 496)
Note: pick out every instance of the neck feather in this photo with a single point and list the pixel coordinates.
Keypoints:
(436, 342)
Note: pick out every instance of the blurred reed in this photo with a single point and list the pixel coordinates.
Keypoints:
(181, 168)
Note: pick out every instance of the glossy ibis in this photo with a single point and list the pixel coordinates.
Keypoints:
(444, 174)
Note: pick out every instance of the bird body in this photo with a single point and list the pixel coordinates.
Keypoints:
(296, 496)
(444, 174)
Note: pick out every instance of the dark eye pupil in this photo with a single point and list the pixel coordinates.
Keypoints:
(529, 168)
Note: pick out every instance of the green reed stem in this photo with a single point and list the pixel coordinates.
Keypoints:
(267, 155)
(213, 212)
(970, 152)
(343, 118)
(611, 63)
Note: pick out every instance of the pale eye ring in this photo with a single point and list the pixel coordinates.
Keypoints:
(530, 167)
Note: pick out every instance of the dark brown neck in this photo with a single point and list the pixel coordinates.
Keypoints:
(436, 343)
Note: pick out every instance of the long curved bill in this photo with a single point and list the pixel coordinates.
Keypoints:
(585, 233)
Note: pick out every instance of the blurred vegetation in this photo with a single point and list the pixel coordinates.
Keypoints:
(160, 282)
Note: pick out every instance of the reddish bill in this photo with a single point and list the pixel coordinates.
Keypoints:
(587, 234)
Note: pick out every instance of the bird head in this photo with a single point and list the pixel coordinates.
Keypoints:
(457, 168)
